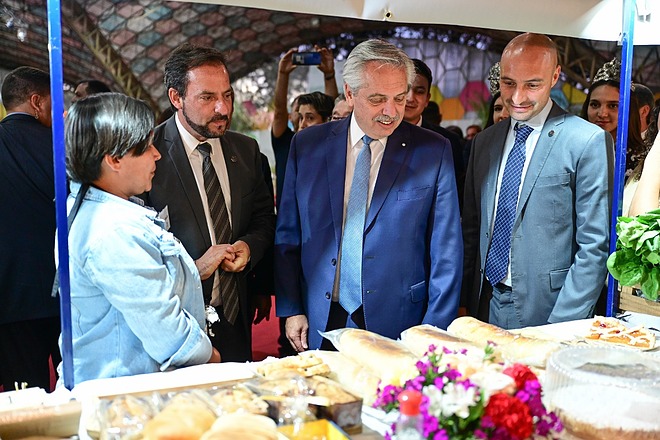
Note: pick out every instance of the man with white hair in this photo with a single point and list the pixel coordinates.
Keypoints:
(368, 231)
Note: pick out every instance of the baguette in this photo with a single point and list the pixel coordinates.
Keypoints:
(357, 379)
(514, 348)
(389, 360)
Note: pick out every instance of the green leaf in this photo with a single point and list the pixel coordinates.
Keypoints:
(651, 285)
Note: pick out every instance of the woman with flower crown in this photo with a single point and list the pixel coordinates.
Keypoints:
(602, 108)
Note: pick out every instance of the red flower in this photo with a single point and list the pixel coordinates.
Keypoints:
(510, 413)
(521, 374)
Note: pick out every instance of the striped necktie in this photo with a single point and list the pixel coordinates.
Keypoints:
(222, 229)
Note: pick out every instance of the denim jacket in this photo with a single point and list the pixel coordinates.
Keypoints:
(136, 296)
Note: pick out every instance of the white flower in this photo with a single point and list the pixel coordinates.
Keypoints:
(453, 400)
(491, 382)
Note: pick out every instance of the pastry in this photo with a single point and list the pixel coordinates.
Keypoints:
(614, 331)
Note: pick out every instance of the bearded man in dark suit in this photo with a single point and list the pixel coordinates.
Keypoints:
(205, 166)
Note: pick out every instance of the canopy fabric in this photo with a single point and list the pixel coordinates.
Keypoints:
(589, 19)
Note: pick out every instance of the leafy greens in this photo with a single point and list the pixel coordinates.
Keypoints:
(636, 260)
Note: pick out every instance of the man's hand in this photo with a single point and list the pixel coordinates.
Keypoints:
(286, 65)
(241, 252)
(327, 65)
(296, 328)
(208, 263)
(263, 305)
(215, 357)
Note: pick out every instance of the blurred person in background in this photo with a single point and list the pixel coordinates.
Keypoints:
(29, 316)
(89, 87)
(342, 108)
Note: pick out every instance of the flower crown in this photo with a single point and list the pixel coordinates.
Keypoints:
(611, 71)
(494, 78)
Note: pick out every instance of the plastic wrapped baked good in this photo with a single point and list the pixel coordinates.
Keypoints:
(389, 360)
(187, 416)
(356, 378)
(605, 393)
(242, 426)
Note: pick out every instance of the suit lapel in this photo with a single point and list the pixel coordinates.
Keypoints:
(335, 156)
(394, 156)
(181, 165)
(549, 134)
(229, 151)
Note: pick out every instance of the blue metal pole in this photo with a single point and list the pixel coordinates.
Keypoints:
(57, 98)
(627, 38)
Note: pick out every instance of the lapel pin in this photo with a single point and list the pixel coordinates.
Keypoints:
(234, 159)
(403, 144)
(551, 133)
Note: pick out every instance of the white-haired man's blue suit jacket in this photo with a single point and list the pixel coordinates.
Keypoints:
(412, 260)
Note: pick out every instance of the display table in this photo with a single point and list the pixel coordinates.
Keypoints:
(375, 424)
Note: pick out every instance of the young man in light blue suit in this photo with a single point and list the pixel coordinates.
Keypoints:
(552, 255)
(407, 270)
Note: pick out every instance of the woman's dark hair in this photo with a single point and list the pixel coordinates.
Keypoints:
(491, 110)
(636, 149)
(105, 124)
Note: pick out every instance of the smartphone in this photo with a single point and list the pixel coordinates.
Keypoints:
(307, 58)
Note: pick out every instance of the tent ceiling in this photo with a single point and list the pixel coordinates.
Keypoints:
(125, 43)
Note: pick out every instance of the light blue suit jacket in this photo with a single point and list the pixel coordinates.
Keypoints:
(412, 241)
(561, 232)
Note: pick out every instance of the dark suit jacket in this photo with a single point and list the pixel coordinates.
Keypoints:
(27, 225)
(457, 154)
(174, 187)
(412, 241)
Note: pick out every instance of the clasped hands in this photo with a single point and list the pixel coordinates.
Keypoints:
(229, 257)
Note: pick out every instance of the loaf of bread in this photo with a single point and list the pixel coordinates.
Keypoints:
(356, 378)
(418, 339)
(389, 360)
(514, 348)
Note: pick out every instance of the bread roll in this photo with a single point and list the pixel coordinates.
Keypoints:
(390, 361)
(184, 418)
(514, 348)
(242, 426)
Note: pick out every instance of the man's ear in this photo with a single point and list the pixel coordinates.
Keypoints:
(349, 94)
(175, 98)
(35, 101)
(112, 162)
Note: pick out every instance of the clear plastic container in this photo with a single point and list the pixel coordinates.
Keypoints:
(605, 392)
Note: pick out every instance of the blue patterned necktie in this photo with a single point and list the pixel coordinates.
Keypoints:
(350, 274)
(222, 229)
(497, 261)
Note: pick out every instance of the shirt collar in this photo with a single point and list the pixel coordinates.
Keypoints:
(537, 121)
(357, 133)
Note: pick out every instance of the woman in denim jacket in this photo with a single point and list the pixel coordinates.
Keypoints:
(136, 295)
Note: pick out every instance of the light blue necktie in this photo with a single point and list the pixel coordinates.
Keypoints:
(497, 261)
(350, 274)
